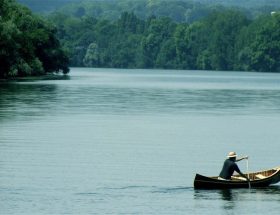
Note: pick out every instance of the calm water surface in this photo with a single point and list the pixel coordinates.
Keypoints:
(104, 141)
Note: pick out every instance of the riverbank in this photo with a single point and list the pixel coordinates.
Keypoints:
(36, 78)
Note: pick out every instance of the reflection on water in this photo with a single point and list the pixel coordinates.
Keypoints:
(26, 100)
(226, 195)
(234, 194)
(130, 142)
(39, 98)
(231, 200)
(271, 191)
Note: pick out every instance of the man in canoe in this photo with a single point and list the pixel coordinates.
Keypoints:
(230, 166)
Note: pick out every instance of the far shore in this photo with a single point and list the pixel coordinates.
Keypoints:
(52, 76)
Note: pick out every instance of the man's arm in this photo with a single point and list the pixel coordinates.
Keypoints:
(240, 159)
(244, 176)
(238, 170)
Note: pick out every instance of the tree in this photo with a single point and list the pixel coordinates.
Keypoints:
(225, 28)
(91, 58)
(196, 41)
(181, 46)
(225, 40)
(80, 12)
(158, 31)
(167, 56)
(265, 54)
(9, 48)
(28, 44)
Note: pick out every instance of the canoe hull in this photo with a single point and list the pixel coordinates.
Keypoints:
(204, 182)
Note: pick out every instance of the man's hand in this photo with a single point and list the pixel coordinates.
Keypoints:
(243, 158)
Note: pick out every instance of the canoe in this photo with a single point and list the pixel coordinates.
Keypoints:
(257, 179)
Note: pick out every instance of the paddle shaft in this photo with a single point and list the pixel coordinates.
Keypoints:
(248, 175)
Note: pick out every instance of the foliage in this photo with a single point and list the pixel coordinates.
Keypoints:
(178, 10)
(262, 53)
(225, 40)
(28, 45)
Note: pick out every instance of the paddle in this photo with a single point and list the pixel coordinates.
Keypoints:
(247, 162)
(248, 175)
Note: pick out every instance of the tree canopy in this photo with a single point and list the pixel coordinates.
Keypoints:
(178, 10)
(224, 40)
(28, 44)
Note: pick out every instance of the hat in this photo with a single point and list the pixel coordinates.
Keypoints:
(232, 155)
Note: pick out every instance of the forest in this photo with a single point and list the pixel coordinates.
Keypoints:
(29, 45)
(110, 7)
(224, 40)
(215, 38)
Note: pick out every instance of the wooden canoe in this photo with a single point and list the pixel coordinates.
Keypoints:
(257, 179)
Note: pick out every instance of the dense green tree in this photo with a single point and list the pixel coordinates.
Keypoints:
(28, 45)
(80, 12)
(92, 56)
(225, 28)
(129, 23)
(142, 7)
(226, 40)
(181, 46)
(196, 41)
(158, 31)
(167, 56)
(265, 49)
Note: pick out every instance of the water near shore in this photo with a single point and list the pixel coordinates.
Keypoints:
(107, 141)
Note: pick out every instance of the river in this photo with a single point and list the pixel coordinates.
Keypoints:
(112, 141)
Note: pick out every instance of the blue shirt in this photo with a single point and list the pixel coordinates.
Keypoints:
(228, 169)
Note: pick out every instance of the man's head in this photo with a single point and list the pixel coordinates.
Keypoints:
(232, 156)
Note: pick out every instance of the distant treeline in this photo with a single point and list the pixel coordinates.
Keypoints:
(219, 39)
(180, 9)
(224, 40)
(46, 6)
(28, 44)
